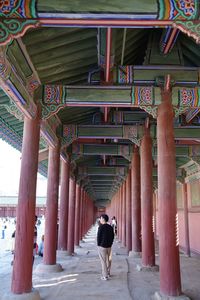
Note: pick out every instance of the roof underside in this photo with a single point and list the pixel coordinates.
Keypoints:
(68, 56)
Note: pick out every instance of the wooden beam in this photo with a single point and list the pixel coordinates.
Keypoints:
(108, 54)
(144, 97)
(168, 39)
(105, 23)
(102, 149)
(123, 46)
(108, 171)
(132, 133)
(15, 86)
(43, 154)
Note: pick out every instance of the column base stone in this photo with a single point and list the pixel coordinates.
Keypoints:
(134, 254)
(147, 268)
(159, 296)
(43, 268)
(33, 295)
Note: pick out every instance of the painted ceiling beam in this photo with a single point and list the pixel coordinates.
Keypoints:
(123, 46)
(168, 39)
(112, 161)
(190, 133)
(126, 151)
(103, 149)
(191, 28)
(184, 151)
(133, 132)
(152, 13)
(56, 97)
(16, 87)
(73, 132)
(108, 54)
(92, 171)
(20, 82)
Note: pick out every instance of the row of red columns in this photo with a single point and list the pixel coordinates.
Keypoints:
(76, 210)
(128, 212)
(136, 195)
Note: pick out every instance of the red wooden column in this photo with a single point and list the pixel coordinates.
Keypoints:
(64, 203)
(81, 213)
(71, 216)
(22, 268)
(124, 214)
(185, 202)
(148, 250)
(51, 214)
(128, 212)
(170, 281)
(119, 225)
(136, 204)
(77, 214)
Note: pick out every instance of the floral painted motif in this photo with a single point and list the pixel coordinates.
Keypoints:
(32, 85)
(18, 8)
(186, 7)
(143, 95)
(178, 9)
(189, 97)
(53, 94)
(8, 7)
(14, 28)
(125, 74)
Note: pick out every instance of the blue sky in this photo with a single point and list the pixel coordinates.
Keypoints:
(10, 162)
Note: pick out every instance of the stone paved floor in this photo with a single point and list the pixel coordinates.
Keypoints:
(80, 278)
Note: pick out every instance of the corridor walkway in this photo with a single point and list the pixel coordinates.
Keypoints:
(80, 278)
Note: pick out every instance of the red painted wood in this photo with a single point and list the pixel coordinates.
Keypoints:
(121, 213)
(128, 212)
(170, 41)
(186, 221)
(64, 203)
(22, 268)
(110, 22)
(148, 250)
(71, 216)
(170, 282)
(124, 214)
(81, 212)
(51, 216)
(108, 54)
(77, 214)
(136, 201)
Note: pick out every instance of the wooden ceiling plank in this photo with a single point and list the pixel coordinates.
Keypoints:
(61, 41)
(67, 68)
(67, 75)
(65, 59)
(43, 34)
(58, 52)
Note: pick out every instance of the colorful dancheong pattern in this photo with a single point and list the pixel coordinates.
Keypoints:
(178, 9)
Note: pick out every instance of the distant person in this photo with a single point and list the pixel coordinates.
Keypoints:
(35, 246)
(105, 237)
(41, 247)
(13, 245)
(38, 222)
(3, 229)
(114, 224)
